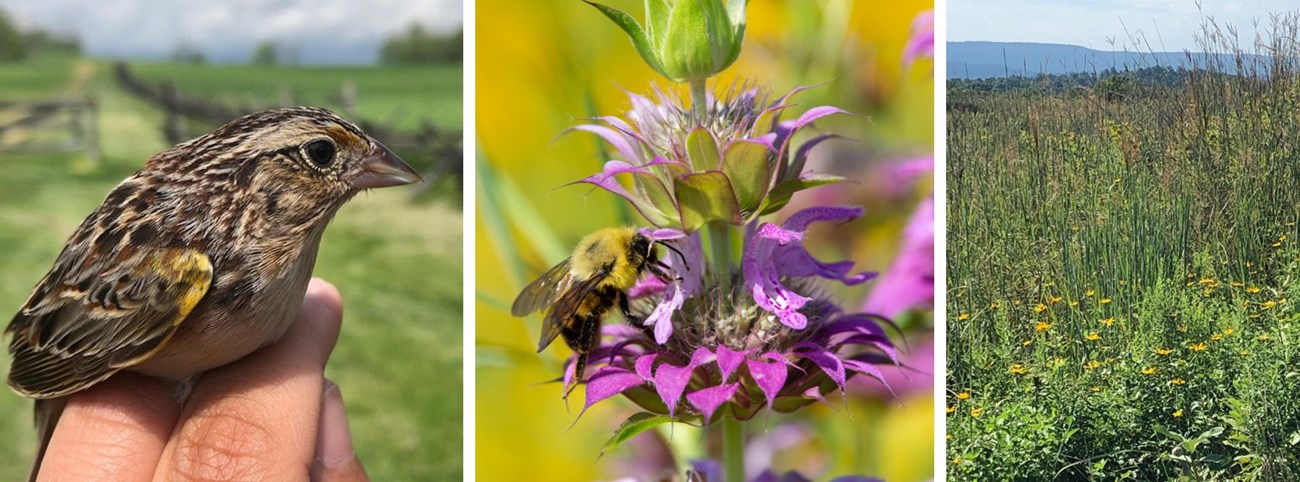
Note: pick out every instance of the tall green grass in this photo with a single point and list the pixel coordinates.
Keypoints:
(1173, 203)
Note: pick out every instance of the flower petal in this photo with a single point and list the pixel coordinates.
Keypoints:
(709, 399)
(606, 180)
(662, 316)
(825, 359)
(769, 376)
(671, 380)
(644, 364)
(763, 279)
(729, 360)
(607, 382)
(869, 370)
(631, 154)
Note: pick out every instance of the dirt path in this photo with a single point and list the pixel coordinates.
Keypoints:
(83, 72)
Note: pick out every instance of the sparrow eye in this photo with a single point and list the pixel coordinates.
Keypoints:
(321, 152)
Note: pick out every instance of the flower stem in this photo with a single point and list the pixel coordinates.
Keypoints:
(720, 243)
(699, 101)
(733, 449)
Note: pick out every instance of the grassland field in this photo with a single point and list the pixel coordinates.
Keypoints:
(1122, 276)
(397, 261)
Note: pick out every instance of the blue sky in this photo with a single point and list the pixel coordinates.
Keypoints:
(1090, 22)
(322, 31)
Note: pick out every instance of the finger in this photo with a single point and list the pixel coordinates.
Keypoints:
(256, 419)
(335, 459)
(115, 430)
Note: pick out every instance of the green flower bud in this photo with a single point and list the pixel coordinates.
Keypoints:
(685, 40)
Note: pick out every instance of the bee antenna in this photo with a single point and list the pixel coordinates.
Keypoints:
(679, 253)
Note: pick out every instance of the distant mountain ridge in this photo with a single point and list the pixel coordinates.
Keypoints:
(981, 59)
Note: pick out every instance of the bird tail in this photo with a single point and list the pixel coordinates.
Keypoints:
(47, 413)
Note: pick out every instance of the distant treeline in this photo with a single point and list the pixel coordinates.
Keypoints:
(1057, 83)
(17, 45)
(419, 46)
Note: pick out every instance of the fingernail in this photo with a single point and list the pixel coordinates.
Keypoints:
(334, 448)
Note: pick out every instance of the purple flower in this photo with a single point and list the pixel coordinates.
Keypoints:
(909, 282)
(777, 342)
(776, 251)
(921, 42)
(738, 163)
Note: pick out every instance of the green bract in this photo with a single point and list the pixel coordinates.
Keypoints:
(685, 40)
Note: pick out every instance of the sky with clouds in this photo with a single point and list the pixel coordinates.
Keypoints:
(1088, 23)
(321, 31)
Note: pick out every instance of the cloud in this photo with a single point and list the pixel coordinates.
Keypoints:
(1169, 25)
(321, 31)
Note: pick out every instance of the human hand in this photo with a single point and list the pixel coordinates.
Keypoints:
(269, 416)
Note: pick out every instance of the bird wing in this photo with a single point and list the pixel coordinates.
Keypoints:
(95, 314)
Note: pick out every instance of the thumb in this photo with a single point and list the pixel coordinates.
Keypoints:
(335, 460)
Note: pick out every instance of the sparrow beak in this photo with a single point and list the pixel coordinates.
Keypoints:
(382, 168)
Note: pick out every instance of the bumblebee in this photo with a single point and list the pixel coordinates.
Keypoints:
(582, 289)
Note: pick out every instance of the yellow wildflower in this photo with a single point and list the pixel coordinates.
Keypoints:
(1089, 293)
(1054, 299)
(1150, 370)
(1108, 321)
(995, 305)
(1196, 347)
(951, 408)
(1026, 342)
(1104, 301)
(1228, 331)
(1267, 305)
(1018, 369)
(1253, 289)
(963, 316)
(1095, 389)
(1163, 351)
(1092, 336)
(1092, 365)
(1042, 326)
(1262, 337)
(1216, 337)
(1178, 381)
(976, 412)
(1178, 413)
(963, 395)
(1039, 308)
(1074, 304)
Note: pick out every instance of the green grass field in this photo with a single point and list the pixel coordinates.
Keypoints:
(1122, 276)
(398, 263)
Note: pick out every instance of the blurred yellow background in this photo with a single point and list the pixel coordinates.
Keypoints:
(542, 66)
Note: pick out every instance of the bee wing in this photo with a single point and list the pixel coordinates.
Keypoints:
(94, 315)
(566, 307)
(543, 291)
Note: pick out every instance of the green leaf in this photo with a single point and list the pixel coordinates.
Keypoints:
(633, 426)
(702, 149)
(746, 164)
(704, 197)
(781, 194)
(633, 31)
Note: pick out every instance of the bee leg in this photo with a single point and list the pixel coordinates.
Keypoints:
(624, 304)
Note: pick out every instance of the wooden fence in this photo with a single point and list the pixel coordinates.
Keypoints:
(433, 151)
(61, 125)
